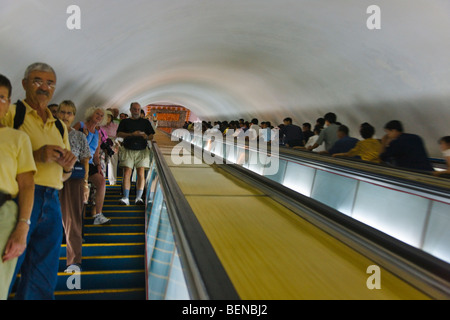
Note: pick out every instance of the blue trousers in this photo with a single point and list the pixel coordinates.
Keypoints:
(38, 265)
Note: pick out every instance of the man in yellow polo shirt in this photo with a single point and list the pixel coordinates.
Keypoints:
(16, 181)
(54, 162)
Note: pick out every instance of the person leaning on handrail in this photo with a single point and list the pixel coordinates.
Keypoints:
(329, 134)
(402, 149)
(367, 149)
(292, 134)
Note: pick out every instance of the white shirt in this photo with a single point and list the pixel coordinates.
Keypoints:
(264, 134)
(312, 140)
(253, 132)
(212, 130)
(446, 153)
(238, 133)
(274, 134)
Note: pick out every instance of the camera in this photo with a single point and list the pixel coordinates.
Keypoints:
(106, 146)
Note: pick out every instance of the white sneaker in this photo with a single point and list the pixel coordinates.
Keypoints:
(99, 218)
(139, 201)
(124, 201)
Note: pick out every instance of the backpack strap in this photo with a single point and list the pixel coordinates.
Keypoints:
(20, 117)
(60, 127)
(20, 114)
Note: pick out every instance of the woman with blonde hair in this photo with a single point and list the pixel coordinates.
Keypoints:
(95, 117)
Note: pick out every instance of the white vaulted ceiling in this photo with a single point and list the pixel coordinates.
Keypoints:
(227, 59)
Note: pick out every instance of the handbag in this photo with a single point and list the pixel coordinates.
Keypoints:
(78, 171)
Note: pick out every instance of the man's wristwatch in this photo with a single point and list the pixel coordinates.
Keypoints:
(70, 171)
(27, 221)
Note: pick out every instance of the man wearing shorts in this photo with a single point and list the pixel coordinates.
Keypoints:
(135, 131)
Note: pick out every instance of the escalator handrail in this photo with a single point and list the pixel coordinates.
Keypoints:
(386, 178)
(390, 174)
(345, 166)
(206, 277)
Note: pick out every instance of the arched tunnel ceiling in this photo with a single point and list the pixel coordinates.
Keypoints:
(227, 59)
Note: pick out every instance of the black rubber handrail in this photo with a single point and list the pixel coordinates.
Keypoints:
(205, 275)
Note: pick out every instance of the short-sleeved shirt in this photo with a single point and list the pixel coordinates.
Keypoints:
(329, 136)
(312, 141)
(343, 145)
(79, 145)
(111, 129)
(131, 125)
(407, 151)
(40, 134)
(367, 150)
(16, 157)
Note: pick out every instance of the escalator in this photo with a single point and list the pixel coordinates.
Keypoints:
(113, 255)
(235, 234)
(408, 205)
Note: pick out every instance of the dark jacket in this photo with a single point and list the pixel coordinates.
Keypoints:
(407, 151)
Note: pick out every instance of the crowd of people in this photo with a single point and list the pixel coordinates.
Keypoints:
(49, 166)
(49, 169)
(396, 147)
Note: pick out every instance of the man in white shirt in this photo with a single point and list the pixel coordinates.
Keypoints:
(253, 132)
(265, 132)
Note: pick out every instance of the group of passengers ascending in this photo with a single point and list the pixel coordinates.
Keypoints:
(47, 168)
(330, 137)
